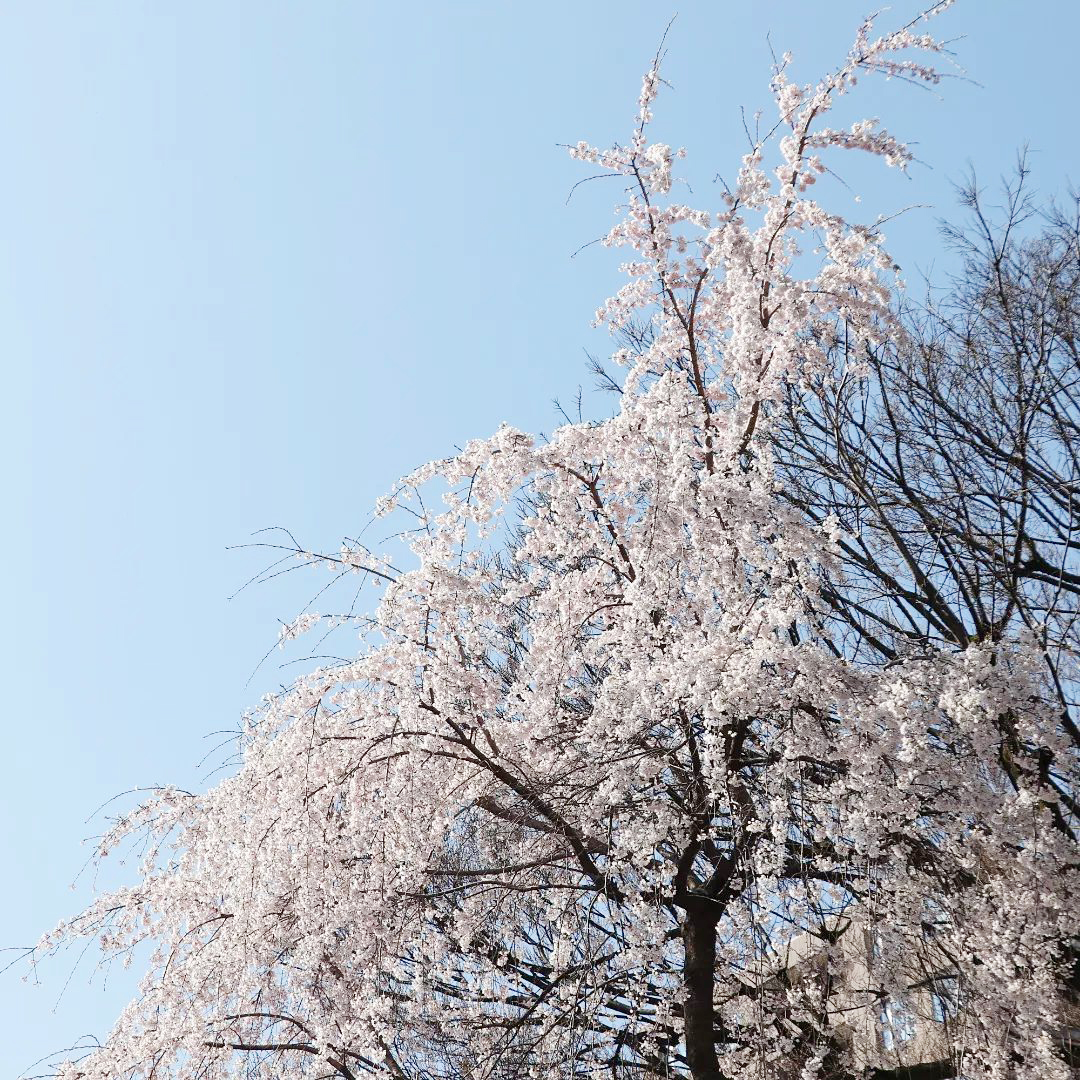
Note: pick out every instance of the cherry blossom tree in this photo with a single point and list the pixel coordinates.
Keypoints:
(607, 791)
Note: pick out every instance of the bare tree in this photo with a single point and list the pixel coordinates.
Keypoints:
(951, 458)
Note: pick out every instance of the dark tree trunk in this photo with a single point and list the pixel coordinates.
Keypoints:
(699, 941)
(930, 1070)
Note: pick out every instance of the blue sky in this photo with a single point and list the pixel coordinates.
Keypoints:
(261, 259)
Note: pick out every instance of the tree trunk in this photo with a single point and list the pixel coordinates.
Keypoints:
(699, 965)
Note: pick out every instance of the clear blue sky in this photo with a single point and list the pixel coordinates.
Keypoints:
(260, 259)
